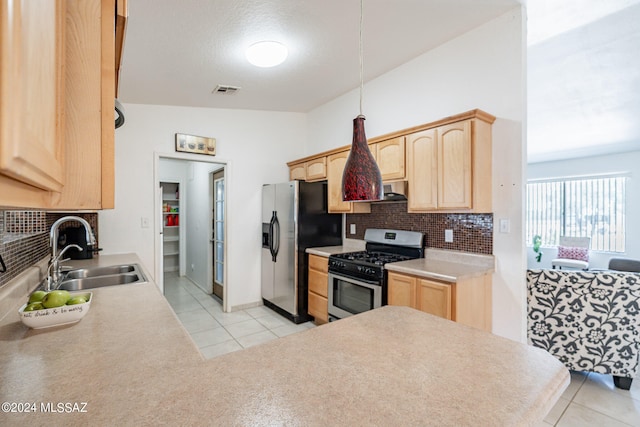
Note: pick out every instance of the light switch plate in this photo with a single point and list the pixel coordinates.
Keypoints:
(352, 228)
(448, 236)
(144, 222)
(505, 225)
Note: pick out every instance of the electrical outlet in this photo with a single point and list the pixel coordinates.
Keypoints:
(144, 222)
(352, 228)
(448, 236)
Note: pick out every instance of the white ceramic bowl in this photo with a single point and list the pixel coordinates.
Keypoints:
(49, 317)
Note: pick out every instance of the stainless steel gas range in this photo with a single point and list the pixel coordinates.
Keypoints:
(357, 280)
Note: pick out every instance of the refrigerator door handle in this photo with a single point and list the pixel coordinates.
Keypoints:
(272, 223)
(276, 236)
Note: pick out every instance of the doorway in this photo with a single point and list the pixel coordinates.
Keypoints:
(186, 239)
(172, 238)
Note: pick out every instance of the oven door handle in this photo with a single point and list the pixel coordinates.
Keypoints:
(354, 279)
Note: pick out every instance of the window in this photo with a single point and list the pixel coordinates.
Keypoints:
(593, 207)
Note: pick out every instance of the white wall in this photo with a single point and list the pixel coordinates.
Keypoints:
(255, 145)
(481, 69)
(603, 164)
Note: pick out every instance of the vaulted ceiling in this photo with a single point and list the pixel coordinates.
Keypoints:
(583, 75)
(583, 61)
(177, 52)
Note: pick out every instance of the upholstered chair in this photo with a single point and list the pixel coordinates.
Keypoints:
(573, 252)
(590, 321)
(624, 264)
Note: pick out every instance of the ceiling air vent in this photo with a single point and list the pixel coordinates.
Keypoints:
(226, 89)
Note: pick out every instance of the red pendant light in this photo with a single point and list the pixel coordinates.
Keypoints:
(361, 180)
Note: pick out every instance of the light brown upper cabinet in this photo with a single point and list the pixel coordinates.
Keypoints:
(422, 162)
(32, 82)
(57, 130)
(454, 162)
(316, 169)
(390, 156)
(447, 164)
(335, 168)
(449, 168)
(311, 170)
(298, 171)
(122, 16)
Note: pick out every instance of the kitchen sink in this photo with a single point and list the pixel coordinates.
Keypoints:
(100, 271)
(98, 277)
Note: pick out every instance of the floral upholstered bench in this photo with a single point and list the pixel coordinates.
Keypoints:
(590, 321)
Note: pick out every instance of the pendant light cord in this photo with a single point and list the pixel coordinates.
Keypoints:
(361, 57)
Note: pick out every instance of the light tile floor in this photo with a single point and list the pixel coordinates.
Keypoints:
(215, 332)
(590, 400)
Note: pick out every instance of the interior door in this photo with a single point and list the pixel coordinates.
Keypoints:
(218, 238)
(159, 224)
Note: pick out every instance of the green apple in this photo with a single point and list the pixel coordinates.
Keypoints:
(76, 300)
(56, 299)
(37, 296)
(34, 306)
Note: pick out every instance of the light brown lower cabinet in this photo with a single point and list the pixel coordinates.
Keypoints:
(318, 288)
(467, 301)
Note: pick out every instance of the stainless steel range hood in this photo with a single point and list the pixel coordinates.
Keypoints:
(395, 191)
(119, 114)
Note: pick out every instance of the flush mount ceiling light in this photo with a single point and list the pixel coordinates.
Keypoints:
(361, 180)
(267, 54)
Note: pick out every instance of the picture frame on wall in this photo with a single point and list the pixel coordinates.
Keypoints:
(195, 144)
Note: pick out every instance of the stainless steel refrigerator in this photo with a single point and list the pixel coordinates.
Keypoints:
(294, 218)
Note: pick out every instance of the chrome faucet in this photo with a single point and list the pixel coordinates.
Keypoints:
(54, 264)
(53, 272)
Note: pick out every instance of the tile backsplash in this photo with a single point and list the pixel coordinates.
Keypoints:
(471, 232)
(25, 222)
(24, 238)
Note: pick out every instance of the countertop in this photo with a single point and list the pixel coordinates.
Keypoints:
(445, 265)
(448, 266)
(132, 363)
(348, 246)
